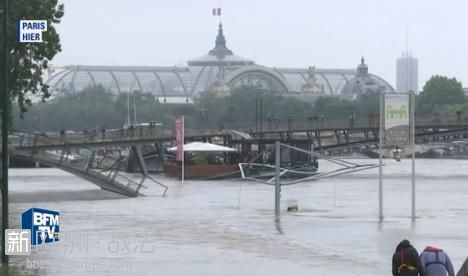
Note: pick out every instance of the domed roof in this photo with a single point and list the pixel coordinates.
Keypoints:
(364, 83)
(360, 86)
(210, 60)
(362, 69)
(220, 50)
(220, 54)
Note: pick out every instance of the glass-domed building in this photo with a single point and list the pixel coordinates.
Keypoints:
(363, 83)
(219, 70)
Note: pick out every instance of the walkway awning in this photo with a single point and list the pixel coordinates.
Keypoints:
(204, 147)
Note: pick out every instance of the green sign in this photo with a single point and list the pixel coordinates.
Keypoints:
(396, 120)
(396, 113)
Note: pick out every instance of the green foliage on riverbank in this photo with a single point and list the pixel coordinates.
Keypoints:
(442, 95)
(94, 107)
(28, 61)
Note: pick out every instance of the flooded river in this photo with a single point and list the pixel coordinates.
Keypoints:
(227, 227)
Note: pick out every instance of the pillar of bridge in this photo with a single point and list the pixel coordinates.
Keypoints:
(135, 160)
(140, 160)
(91, 160)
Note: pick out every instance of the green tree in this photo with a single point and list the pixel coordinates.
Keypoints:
(238, 109)
(368, 103)
(334, 107)
(147, 109)
(29, 60)
(90, 108)
(95, 107)
(439, 91)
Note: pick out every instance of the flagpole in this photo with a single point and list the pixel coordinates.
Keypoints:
(381, 142)
(179, 136)
(183, 153)
(217, 12)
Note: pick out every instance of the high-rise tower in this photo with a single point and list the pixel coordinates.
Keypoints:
(407, 73)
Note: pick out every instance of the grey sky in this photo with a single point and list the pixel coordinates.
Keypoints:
(296, 33)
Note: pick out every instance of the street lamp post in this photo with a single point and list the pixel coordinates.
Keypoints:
(459, 116)
(256, 115)
(290, 118)
(313, 119)
(259, 122)
(5, 104)
(352, 116)
(261, 116)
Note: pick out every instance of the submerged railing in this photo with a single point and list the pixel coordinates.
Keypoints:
(101, 168)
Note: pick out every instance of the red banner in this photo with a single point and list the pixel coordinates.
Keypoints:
(179, 131)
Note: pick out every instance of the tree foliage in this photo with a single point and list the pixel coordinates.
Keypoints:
(92, 107)
(238, 109)
(440, 91)
(335, 108)
(29, 60)
(96, 107)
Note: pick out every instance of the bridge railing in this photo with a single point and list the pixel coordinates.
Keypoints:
(84, 159)
(129, 135)
(311, 123)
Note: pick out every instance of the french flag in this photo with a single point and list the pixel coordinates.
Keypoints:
(217, 12)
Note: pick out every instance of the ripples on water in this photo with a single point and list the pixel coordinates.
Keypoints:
(227, 227)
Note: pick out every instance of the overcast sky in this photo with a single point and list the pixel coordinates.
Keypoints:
(295, 33)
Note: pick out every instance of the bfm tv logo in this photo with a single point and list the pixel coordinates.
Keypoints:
(39, 226)
(44, 225)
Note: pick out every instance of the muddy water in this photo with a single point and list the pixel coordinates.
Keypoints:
(227, 227)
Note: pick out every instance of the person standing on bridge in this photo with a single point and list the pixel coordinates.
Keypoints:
(94, 134)
(103, 131)
(62, 134)
(406, 261)
(351, 120)
(436, 262)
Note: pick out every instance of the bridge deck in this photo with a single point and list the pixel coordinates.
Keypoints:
(342, 137)
(103, 171)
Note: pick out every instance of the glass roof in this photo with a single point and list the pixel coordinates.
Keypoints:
(188, 82)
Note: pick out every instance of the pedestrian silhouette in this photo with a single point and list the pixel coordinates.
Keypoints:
(406, 260)
(436, 262)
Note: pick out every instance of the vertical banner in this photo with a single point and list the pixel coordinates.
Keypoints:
(397, 129)
(179, 134)
(397, 119)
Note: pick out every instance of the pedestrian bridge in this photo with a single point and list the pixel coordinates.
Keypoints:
(85, 157)
(323, 138)
(82, 161)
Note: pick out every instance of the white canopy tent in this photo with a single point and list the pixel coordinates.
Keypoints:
(204, 147)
